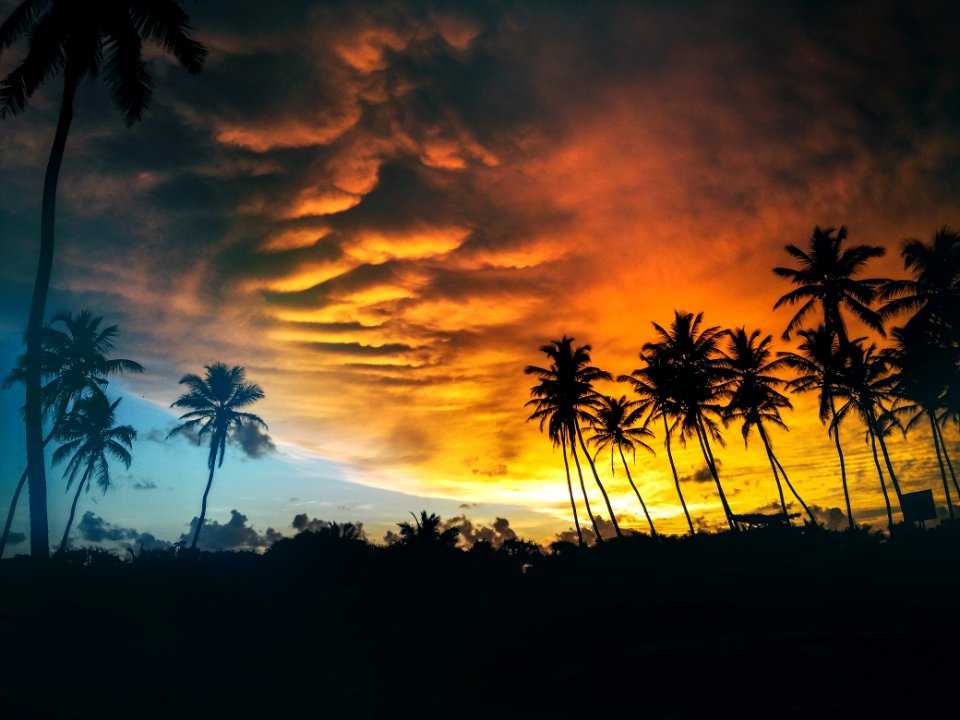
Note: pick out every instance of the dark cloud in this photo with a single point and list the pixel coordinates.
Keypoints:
(15, 538)
(703, 475)
(471, 534)
(252, 440)
(303, 523)
(94, 528)
(235, 534)
(831, 518)
(145, 485)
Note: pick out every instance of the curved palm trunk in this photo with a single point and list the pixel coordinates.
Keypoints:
(653, 531)
(843, 466)
(937, 440)
(203, 508)
(596, 477)
(711, 464)
(73, 508)
(883, 485)
(786, 479)
(583, 489)
(776, 477)
(33, 415)
(946, 458)
(676, 477)
(573, 503)
(16, 498)
(886, 460)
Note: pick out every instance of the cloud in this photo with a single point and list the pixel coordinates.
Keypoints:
(15, 538)
(235, 534)
(470, 533)
(145, 485)
(94, 528)
(303, 523)
(252, 440)
(831, 518)
(703, 475)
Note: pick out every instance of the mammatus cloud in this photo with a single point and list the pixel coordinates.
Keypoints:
(94, 528)
(234, 534)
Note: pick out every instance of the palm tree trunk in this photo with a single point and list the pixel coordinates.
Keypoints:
(33, 410)
(843, 467)
(946, 459)
(786, 479)
(16, 497)
(583, 489)
(596, 477)
(653, 532)
(676, 477)
(886, 460)
(573, 504)
(776, 476)
(937, 440)
(708, 456)
(203, 507)
(73, 508)
(883, 485)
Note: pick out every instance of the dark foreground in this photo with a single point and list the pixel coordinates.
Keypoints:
(765, 624)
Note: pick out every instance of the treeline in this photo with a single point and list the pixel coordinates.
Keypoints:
(694, 380)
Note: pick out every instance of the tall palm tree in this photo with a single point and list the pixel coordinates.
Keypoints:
(425, 532)
(653, 384)
(816, 366)
(564, 398)
(825, 277)
(79, 39)
(933, 294)
(214, 402)
(614, 426)
(755, 398)
(697, 385)
(73, 365)
(87, 435)
(863, 384)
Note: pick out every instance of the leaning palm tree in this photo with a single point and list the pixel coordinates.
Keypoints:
(73, 365)
(697, 385)
(79, 39)
(825, 278)
(563, 398)
(863, 384)
(214, 402)
(87, 435)
(653, 384)
(816, 366)
(615, 426)
(755, 398)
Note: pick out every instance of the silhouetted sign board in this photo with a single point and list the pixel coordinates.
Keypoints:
(918, 506)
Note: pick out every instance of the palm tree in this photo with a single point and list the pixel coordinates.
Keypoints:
(697, 387)
(614, 426)
(214, 402)
(425, 532)
(653, 383)
(73, 365)
(81, 40)
(755, 398)
(817, 364)
(825, 277)
(563, 399)
(864, 383)
(87, 435)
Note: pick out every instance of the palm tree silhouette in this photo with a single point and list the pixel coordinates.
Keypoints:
(563, 399)
(825, 277)
(214, 402)
(755, 398)
(81, 40)
(817, 364)
(74, 362)
(697, 386)
(425, 532)
(87, 435)
(653, 383)
(614, 426)
(864, 384)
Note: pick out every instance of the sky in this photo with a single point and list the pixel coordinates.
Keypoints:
(381, 210)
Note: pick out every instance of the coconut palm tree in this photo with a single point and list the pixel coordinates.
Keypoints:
(614, 426)
(755, 398)
(215, 403)
(87, 435)
(79, 39)
(425, 532)
(825, 278)
(653, 384)
(564, 398)
(73, 365)
(697, 387)
(816, 365)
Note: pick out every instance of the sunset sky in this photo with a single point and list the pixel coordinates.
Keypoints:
(382, 209)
